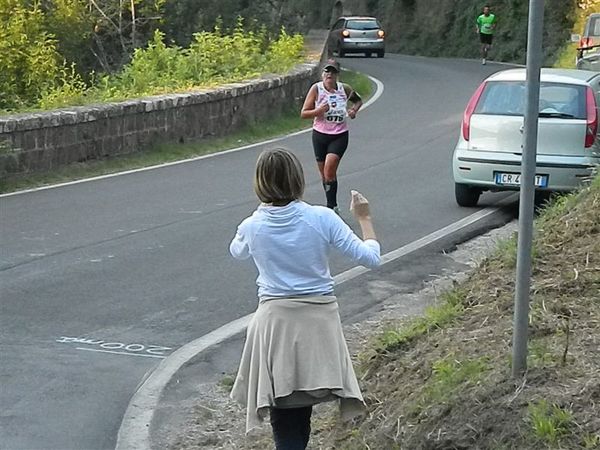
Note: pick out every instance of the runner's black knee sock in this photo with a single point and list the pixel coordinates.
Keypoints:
(331, 192)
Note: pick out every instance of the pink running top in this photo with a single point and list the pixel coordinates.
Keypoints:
(334, 120)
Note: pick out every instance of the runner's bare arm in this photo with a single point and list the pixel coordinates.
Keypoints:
(355, 99)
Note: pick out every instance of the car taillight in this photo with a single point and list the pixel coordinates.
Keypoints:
(585, 42)
(592, 118)
(381, 33)
(345, 33)
(466, 122)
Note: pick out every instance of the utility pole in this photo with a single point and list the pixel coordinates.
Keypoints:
(527, 191)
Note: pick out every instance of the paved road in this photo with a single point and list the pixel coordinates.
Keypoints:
(101, 280)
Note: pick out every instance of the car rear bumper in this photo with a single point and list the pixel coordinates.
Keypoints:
(351, 45)
(478, 168)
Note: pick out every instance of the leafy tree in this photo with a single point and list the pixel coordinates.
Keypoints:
(121, 26)
(183, 18)
(72, 23)
(29, 59)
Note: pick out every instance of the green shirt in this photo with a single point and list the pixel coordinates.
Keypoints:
(485, 23)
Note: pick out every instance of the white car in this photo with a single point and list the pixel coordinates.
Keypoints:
(488, 153)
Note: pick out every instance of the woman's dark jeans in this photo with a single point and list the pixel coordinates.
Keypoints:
(291, 427)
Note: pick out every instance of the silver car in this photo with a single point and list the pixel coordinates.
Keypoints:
(357, 34)
(588, 51)
(489, 149)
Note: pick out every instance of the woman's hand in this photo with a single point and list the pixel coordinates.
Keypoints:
(319, 111)
(352, 113)
(359, 205)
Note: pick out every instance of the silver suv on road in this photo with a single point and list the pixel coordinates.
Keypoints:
(357, 34)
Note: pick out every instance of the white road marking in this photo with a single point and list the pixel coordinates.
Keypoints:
(378, 92)
(119, 353)
(150, 351)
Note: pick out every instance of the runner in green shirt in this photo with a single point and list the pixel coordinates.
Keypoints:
(486, 24)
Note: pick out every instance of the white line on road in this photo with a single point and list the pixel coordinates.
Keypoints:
(134, 433)
(118, 353)
(378, 92)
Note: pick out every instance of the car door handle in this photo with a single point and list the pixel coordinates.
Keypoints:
(521, 128)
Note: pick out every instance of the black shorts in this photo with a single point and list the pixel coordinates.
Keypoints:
(486, 38)
(329, 143)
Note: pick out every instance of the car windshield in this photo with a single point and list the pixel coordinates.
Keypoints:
(507, 98)
(363, 25)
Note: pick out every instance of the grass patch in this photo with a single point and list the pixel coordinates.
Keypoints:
(540, 354)
(164, 153)
(591, 441)
(507, 251)
(226, 383)
(359, 82)
(549, 422)
(435, 317)
(448, 374)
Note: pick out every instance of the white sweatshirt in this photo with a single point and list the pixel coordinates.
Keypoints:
(290, 246)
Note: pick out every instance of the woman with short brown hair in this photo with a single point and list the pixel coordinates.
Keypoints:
(295, 354)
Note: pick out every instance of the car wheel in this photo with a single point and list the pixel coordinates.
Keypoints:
(466, 195)
(380, 54)
(541, 199)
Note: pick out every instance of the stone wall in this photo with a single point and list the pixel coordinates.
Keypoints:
(44, 141)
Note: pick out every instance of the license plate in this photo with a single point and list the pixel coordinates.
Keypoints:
(514, 179)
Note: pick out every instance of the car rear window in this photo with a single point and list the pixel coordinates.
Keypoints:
(593, 28)
(362, 25)
(507, 98)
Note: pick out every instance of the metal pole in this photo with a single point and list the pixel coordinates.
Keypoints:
(526, 201)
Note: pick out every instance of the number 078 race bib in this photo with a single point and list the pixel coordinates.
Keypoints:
(337, 109)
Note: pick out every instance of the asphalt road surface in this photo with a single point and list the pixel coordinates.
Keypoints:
(101, 280)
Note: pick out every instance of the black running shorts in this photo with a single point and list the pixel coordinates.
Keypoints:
(329, 143)
(486, 38)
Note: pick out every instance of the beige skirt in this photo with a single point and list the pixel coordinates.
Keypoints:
(295, 355)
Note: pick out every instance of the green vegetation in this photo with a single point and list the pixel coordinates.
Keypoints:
(213, 58)
(226, 383)
(447, 29)
(448, 375)
(444, 312)
(549, 422)
(566, 56)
